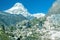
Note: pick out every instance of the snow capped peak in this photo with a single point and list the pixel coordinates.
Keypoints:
(18, 4)
(38, 15)
(18, 8)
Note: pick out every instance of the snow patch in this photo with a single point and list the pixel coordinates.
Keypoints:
(38, 15)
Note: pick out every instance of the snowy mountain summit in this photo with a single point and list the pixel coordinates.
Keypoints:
(18, 8)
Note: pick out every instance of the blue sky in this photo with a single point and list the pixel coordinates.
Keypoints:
(33, 6)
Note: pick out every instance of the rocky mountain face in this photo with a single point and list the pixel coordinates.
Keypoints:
(55, 9)
(10, 19)
(52, 23)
